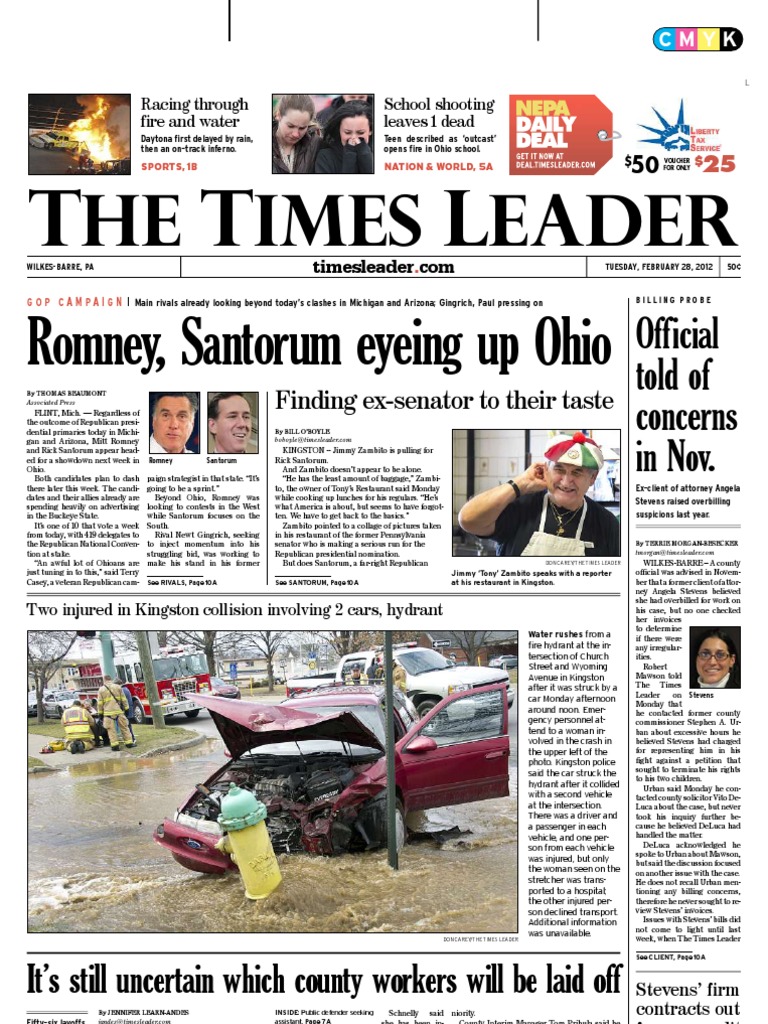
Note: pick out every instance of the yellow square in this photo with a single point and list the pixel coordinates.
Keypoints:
(709, 39)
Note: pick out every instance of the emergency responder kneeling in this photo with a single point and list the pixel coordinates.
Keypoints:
(79, 728)
(112, 705)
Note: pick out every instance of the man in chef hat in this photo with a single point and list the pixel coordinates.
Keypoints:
(545, 511)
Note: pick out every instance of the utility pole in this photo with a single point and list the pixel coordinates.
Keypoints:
(107, 653)
(150, 683)
(389, 711)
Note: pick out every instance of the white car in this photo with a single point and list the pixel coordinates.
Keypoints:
(503, 661)
(32, 701)
(57, 702)
(429, 677)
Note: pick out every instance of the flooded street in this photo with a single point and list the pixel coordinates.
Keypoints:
(94, 867)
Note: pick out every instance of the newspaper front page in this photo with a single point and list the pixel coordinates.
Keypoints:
(467, 362)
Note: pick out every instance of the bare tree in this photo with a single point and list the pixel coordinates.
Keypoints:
(122, 640)
(347, 641)
(269, 643)
(344, 641)
(469, 641)
(236, 644)
(204, 640)
(46, 650)
(125, 639)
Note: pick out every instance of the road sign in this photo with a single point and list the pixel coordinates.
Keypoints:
(233, 670)
(441, 643)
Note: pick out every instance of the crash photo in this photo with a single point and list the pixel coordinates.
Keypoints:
(79, 134)
(235, 748)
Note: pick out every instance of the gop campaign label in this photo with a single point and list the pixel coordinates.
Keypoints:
(559, 134)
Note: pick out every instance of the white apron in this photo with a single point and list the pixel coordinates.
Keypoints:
(551, 545)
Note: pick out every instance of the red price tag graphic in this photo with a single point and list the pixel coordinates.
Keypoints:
(559, 134)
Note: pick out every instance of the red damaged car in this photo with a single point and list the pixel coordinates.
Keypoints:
(318, 764)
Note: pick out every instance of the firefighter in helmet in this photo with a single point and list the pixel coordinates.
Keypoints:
(79, 728)
(112, 705)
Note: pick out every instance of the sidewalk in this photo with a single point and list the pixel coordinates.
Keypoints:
(63, 759)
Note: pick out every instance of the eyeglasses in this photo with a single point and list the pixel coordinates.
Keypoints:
(717, 655)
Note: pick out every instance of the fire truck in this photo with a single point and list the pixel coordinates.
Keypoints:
(179, 671)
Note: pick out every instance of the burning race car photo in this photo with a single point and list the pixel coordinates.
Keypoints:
(79, 134)
(318, 763)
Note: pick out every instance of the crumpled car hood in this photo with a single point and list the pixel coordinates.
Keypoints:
(243, 725)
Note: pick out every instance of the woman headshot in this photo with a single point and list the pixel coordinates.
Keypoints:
(346, 143)
(294, 140)
(715, 656)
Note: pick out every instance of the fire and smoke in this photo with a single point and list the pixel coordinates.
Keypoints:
(104, 128)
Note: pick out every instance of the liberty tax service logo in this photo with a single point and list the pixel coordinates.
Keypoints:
(677, 135)
(673, 134)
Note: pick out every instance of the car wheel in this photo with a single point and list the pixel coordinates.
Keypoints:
(192, 714)
(139, 715)
(59, 711)
(400, 829)
(426, 704)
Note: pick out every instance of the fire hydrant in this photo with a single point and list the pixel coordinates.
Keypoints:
(247, 842)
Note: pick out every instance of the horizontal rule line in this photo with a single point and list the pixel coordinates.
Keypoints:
(348, 277)
(336, 593)
(303, 256)
(334, 952)
(691, 526)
